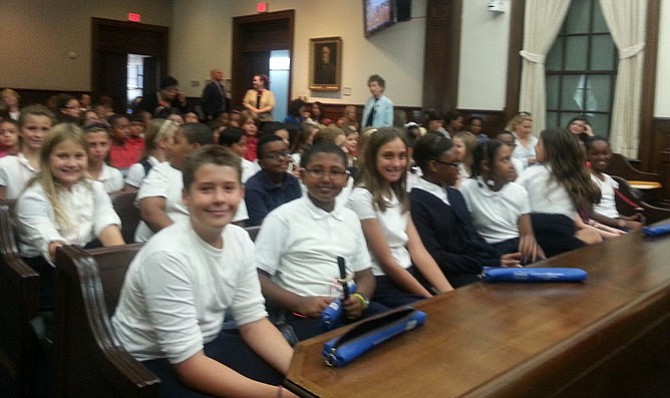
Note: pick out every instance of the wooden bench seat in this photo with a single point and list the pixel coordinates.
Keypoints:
(90, 361)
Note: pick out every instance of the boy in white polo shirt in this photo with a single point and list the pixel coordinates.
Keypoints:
(299, 243)
(182, 282)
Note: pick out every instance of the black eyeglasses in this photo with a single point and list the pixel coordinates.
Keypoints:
(277, 155)
(454, 164)
(319, 173)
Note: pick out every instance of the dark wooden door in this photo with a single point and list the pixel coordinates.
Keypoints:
(112, 41)
(254, 37)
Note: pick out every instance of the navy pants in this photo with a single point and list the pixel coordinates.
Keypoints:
(389, 294)
(229, 349)
(555, 233)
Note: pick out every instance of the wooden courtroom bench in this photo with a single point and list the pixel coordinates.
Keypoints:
(632, 203)
(90, 361)
(649, 183)
(19, 285)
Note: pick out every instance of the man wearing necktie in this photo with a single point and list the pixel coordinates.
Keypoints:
(213, 100)
(378, 109)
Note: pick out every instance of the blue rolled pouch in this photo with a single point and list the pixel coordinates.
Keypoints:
(657, 230)
(331, 315)
(492, 274)
(369, 334)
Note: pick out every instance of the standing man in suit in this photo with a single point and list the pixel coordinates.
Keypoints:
(213, 100)
(378, 110)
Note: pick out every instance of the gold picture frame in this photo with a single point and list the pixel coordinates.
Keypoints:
(325, 64)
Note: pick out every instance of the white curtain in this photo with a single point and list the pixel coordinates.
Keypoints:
(626, 20)
(542, 22)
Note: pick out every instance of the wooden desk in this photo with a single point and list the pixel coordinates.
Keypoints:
(607, 337)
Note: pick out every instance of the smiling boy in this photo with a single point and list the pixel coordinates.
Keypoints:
(273, 185)
(180, 285)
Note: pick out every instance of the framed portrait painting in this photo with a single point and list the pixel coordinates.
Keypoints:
(325, 64)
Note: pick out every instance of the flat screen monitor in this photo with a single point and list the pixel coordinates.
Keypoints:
(377, 15)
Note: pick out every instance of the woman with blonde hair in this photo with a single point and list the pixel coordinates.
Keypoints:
(521, 126)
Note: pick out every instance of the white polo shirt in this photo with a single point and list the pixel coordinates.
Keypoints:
(546, 195)
(111, 178)
(15, 171)
(607, 205)
(393, 223)
(495, 215)
(166, 182)
(178, 289)
(299, 243)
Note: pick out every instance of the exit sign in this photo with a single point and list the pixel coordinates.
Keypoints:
(262, 6)
(133, 17)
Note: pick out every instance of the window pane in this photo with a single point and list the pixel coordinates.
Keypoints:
(598, 92)
(554, 59)
(602, 53)
(576, 52)
(599, 24)
(552, 119)
(579, 14)
(571, 95)
(552, 91)
(600, 124)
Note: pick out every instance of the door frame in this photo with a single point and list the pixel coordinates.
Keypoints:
(128, 38)
(258, 33)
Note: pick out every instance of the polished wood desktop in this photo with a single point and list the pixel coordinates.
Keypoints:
(609, 336)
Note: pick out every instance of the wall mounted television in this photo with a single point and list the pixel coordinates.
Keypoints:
(378, 15)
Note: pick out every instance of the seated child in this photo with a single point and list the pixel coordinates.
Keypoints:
(559, 188)
(137, 127)
(160, 199)
(158, 141)
(122, 154)
(598, 154)
(250, 123)
(235, 139)
(9, 137)
(298, 246)
(507, 138)
(403, 268)
(273, 185)
(442, 218)
(97, 137)
(34, 124)
(60, 206)
(499, 207)
(180, 285)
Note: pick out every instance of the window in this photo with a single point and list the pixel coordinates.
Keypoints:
(581, 69)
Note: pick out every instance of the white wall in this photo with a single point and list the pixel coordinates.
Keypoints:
(662, 101)
(201, 39)
(482, 80)
(37, 36)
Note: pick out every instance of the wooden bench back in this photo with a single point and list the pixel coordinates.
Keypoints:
(124, 205)
(633, 204)
(621, 166)
(90, 360)
(19, 299)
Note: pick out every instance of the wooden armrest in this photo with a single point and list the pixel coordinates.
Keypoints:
(90, 360)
